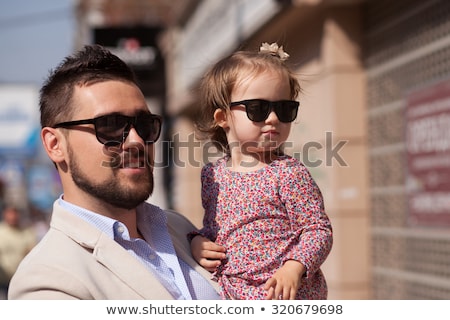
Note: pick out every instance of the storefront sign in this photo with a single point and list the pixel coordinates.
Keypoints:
(428, 154)
(138, 48)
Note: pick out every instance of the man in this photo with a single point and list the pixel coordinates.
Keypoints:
(15, 242)
(105, 241)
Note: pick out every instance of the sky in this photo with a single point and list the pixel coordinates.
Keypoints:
(35, 35)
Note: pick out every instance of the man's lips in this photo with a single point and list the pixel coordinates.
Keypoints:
(133, 164)
(131, 161)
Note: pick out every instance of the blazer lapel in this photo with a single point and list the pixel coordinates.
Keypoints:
(131, 271)
(110, 254)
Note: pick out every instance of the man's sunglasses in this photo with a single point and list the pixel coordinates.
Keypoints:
(258, 110)
(113, 129)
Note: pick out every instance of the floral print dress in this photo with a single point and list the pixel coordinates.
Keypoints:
(265, 218)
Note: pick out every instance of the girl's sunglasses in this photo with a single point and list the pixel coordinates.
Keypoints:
(258, 110)
(113, 129)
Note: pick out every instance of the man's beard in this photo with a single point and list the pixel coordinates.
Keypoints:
(113, 191)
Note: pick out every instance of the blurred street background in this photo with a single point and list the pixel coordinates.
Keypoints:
(373, 126)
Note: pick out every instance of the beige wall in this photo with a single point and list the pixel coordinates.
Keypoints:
(334, 101)
(186, 191)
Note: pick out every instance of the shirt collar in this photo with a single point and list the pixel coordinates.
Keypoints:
(148, 220)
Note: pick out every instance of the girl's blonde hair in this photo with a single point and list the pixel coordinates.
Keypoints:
(219, 82)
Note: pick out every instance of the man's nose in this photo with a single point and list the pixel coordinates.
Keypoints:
(131, 137)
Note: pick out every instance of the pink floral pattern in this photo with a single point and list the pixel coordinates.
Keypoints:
(265, 218)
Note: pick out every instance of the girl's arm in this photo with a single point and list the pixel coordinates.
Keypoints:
(305, 206)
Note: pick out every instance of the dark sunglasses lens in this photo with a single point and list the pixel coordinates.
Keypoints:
(110, 129)
(257, 110)
(148, 127)
(287, 111)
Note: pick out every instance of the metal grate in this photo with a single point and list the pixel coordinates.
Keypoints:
(387, 128)
(396, 27)
(407, 46)
(389, 209)
(395, 83)
(387, 169)
(428, 256)
(411, 266)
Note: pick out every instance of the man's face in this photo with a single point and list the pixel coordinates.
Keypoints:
(120, 175)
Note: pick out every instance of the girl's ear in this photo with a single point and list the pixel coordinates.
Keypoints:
(220, 117)
(53, 141)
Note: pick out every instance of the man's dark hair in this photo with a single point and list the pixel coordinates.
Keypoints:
(90, 65)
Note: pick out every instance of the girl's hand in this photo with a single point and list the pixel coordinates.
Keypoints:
(285, 282)
(207, 253)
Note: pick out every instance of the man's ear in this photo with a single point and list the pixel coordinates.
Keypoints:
(220, 117)
(54, 141)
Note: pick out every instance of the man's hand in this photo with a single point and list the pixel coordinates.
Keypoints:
(207, 253)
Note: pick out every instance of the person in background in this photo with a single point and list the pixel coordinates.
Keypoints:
(15, 243)
(265, 231)
(105, 240)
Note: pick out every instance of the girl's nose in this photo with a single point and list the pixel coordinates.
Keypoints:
(272, 118)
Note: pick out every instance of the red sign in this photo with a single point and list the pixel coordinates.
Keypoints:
(428, 153)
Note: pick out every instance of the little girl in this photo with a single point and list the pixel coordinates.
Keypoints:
(265, 232)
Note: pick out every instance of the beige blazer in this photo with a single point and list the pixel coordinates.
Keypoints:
(77, 261)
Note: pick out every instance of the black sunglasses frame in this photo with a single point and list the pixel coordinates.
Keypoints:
(265, 108)
(137, 122)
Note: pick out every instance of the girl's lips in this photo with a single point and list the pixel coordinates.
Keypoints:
(271, 133)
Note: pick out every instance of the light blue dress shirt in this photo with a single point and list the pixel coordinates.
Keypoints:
(156, 252)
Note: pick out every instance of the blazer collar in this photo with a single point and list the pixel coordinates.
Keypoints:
(110, 254)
